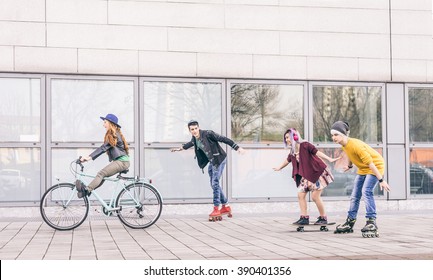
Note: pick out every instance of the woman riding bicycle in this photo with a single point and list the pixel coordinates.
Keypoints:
(118, 154)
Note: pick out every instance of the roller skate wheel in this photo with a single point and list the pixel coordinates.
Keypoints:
(230, 215)
(215, 218)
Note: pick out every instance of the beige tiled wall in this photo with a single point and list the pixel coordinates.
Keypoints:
(276, 39)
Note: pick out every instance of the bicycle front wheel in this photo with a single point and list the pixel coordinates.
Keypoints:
(140, 205)
(61, 209)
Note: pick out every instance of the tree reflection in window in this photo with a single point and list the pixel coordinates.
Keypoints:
(260, 113)
(421, 115)
(360, 106)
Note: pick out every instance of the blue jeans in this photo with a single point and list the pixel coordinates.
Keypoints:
(215, 173)
(363, 186)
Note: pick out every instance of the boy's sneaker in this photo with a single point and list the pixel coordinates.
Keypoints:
(303, 220)
(321, 220)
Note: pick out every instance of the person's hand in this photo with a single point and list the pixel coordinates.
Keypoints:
(83, 159)
(347, 168)
(334, 159)
(241, 151)
(384, 186)
(276, 168)
(175, 150)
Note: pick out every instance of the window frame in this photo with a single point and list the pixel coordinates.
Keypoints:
(262, 146)
(413, 145)
(31, 144)
(143, 146)
(378, 145)
(51, 145)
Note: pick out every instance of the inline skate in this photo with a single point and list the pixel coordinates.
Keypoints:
(370, 229)
(347, 227)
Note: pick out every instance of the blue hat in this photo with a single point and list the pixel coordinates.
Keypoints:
(112, 118)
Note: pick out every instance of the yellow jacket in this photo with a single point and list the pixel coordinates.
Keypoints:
(361, 154)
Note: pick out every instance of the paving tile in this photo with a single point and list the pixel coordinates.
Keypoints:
(244, 237)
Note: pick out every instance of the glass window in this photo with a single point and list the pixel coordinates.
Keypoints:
(168, 106)
(360, 106)
(421, 115)
(421, 131)
(20, 174)
(177, 175)
(253, 176)
(261, 113)
(20, 109)
(421, 171)
(76, 106)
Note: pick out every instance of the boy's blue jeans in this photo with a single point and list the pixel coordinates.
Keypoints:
(363, 186)
(215, 173)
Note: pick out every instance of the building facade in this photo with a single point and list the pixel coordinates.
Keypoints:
(247, 69)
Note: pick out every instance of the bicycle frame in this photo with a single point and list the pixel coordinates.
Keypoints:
(116, 190)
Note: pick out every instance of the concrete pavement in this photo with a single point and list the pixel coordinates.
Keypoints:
(406, 234)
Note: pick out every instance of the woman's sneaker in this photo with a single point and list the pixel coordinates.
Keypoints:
(303, 220)
(81, 189)
(321, 220)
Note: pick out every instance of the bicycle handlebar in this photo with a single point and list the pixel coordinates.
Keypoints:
(78, 161)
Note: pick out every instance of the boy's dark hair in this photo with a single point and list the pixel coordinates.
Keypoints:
(192, 122)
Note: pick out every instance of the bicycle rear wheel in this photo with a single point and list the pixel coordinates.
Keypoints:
(140, 205)
(61, 209)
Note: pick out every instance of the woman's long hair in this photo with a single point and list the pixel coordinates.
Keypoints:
(295, 138)
(111, 136)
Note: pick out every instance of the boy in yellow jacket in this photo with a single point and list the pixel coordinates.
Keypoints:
(371, 168)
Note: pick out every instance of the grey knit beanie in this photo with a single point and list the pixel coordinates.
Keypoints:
(340, 127)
